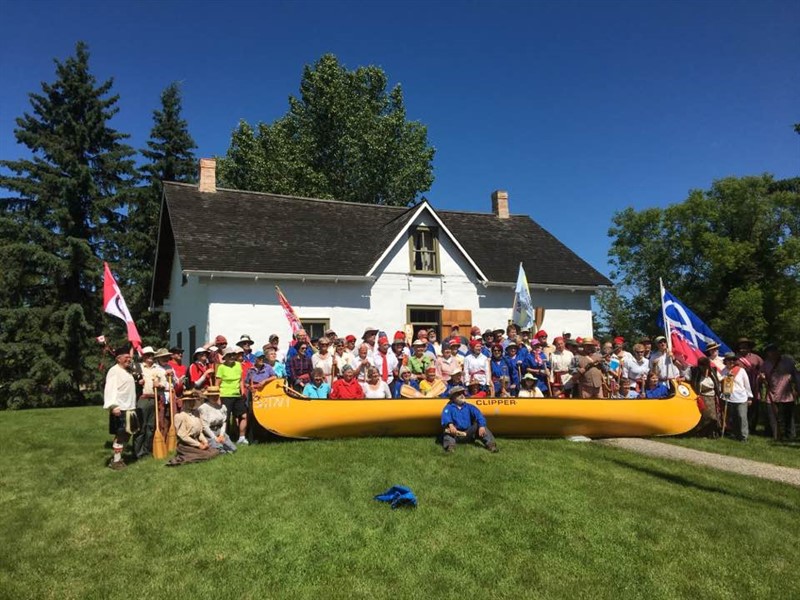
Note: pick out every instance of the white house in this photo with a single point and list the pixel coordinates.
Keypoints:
(346, 266)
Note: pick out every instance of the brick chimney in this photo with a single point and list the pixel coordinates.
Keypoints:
(208, 175)
(500, 204)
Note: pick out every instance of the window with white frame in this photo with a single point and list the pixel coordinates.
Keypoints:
(424, 249)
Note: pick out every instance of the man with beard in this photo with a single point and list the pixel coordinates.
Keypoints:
(464, 423)
(119, 399)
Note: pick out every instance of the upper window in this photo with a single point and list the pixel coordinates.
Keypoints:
(424, 250)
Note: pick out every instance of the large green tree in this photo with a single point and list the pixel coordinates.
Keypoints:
(62, 219)
(169, 157)
(345, 137)
(732, 254)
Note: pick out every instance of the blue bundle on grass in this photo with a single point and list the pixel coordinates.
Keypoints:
(398, 495)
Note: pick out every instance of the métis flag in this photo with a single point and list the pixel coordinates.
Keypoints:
(114, 304)
(689, 335)
(522, 313)
(291, 316)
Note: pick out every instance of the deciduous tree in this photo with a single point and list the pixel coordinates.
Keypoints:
(732, 254)
(345, 137)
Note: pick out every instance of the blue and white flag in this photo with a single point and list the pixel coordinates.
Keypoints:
(692, 329)
(522, 313)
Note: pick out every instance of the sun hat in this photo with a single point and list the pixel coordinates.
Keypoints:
(176, 350)
(455, 391)
(730, 356)
(258, 354)
(418, 343)
(712, 346)
(148, 350)
(529, 376)
(162, 352)
(199, 350)
(369, 330)
(231, 350)
(245, 339)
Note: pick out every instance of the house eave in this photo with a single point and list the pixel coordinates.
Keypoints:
(278, 276)
(547, 286)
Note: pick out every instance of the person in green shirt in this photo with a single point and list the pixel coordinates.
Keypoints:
(419, 361)
(231, 392)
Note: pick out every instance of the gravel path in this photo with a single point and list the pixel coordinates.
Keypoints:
(732, 464)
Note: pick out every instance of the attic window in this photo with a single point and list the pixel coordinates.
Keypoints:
(424, 248)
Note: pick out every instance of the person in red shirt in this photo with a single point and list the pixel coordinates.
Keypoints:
(176, 364)
(348, 387)
(200, 372)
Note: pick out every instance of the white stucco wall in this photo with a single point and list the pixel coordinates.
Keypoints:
(188, 306)
(236, 306)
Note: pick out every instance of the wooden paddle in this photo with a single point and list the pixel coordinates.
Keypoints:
(539, 317)
(172, 436)
(437, 389)
(407, 391)
(159, 446)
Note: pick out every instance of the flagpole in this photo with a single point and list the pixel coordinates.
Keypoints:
(664, 316)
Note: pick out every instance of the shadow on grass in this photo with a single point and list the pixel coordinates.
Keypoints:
(690, 483)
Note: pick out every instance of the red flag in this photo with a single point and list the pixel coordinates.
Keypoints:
(114, 304)
(294, 322)
(682, 346)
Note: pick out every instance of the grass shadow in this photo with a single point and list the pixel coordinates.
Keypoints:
(683, 481)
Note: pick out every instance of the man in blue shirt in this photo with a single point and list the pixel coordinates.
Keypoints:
(464, 423)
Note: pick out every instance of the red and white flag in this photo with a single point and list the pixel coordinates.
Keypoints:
(291, 316)
(681, 346)
(114, 304)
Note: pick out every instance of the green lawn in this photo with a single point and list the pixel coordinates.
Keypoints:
(542, 519)
(757, 447)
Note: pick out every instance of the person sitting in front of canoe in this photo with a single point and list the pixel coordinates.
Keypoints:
(317, 387)
(260, 374)
(464, 423)
(476, 365)
(347, 387)
(655, 388)
(447, 363)
(375, 387)
(404, 378)
(214, 416)
(430, 378)
(299, 367)
(419, 361)
(529, 389)
(455, 381)
(501, 368)
(475, 390)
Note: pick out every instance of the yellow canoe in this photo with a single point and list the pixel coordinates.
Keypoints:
(291, 417)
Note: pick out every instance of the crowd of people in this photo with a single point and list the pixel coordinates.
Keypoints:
(221, 379)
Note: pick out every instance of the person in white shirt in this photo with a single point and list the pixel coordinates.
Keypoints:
(561, 359)
(385, 361)
(476, 365)
(737, 394)
(324, 359)
(119, 398)
(663, 362)
(635, 368)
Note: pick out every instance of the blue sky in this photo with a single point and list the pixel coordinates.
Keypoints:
(578, 109)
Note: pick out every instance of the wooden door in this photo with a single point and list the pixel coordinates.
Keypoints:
(462, 318)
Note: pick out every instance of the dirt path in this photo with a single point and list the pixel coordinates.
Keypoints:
(732, 464)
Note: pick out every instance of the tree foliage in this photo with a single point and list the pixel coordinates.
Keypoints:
(170, 157)
(732, 254)
(62, 219)
(345, 137)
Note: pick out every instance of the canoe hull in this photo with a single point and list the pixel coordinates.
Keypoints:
(508, 417)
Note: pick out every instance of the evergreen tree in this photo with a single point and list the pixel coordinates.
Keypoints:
(61, 221)
(170, 157)
(345, 137)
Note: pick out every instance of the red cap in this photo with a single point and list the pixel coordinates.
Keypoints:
(350, 338)
(579, 339)
(383, 340)
(619, 340)
(541, 333)
(399, 335)
(220, 339)
(473, 343)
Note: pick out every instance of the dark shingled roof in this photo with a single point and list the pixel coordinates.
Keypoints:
(253, 232)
